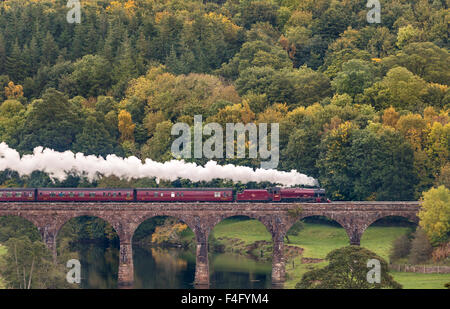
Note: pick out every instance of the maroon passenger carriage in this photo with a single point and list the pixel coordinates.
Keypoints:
(184, 195)
(17, 195)
(84, 195)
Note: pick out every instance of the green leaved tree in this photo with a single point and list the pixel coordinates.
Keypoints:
(348, 269)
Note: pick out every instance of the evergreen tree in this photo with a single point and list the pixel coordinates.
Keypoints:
(49, 50)
(2, 54)
(94, 139)
(15, 64)
(52, 122)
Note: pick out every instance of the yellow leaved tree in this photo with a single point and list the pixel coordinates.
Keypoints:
(435, 214)
(126, 126)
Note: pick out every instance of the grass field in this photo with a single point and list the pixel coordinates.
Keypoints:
(248, 231)
(421, 281)
(318, 240)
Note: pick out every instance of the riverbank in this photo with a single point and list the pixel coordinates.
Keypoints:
(315, 241)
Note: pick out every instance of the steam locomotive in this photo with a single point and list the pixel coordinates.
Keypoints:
(181, 195)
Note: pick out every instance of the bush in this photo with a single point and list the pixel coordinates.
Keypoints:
(420, 248)
(441, 253)
(400, 248)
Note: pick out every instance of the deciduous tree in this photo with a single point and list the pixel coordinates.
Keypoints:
(347, 269)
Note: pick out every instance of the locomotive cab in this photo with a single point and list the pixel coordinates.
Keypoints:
(320, 196)
(275, 193)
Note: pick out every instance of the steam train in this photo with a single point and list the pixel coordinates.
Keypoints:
(149, 195)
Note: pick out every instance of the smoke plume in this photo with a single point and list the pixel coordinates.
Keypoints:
(58, 164)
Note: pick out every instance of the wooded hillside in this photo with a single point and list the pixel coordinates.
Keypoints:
(362, 107)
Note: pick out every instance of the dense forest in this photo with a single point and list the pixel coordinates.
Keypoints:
(362, 107)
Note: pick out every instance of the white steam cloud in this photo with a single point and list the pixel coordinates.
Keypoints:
(58, 164)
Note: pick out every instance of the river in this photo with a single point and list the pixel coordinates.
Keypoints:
(170, 268)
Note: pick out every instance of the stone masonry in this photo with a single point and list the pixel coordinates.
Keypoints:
(125, 218)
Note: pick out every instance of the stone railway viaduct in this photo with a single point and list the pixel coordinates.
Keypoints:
(125, 218)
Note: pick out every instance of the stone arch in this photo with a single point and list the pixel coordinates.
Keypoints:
(63, 220)
(344, 238)
(337, 219)
(152, 255)
(44, 223)
(268, 241)
(213, 221)
(31, 219)
(266, 222)
(185, 219)
(410, 217)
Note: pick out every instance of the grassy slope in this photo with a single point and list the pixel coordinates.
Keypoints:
(247, 231)
(317, 240)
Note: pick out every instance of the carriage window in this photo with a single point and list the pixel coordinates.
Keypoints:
(182, 194)
(162, 194)
(156, 194)
(1, 194)
(128, 194)
(172, 194)
(18, 194)
(30, 194)
(61, 194)
(9, 194)
(52, 194)
(120, 193)
(81, 194)
(216, 194)
(114, 194)
(92, 194)
(71, 194)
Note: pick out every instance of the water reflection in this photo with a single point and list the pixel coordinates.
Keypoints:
(233, 271)
(158, 268)
(169, 268)
(99, 266)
